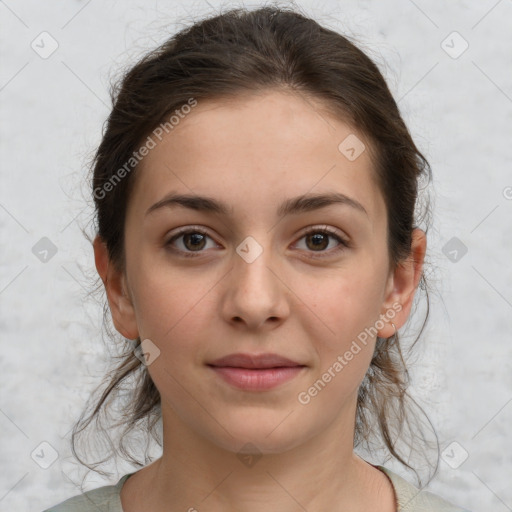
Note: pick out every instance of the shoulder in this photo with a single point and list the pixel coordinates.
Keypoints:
(102, 499)
(412, 499)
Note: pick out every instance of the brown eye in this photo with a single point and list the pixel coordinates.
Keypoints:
(188, 241)
(194, 241)
(318, 240)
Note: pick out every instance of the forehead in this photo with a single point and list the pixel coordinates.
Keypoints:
(255, 150)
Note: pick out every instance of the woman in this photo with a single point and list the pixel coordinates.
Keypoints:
(255, 192)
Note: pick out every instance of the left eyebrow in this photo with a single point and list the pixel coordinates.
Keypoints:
(294, 205)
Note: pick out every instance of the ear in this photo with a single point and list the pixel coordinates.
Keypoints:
(402, 284)
(121, 307)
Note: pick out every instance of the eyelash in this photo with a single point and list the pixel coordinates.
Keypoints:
(343, 243)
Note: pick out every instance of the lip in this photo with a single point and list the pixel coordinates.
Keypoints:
(257, 372)
(255, 361)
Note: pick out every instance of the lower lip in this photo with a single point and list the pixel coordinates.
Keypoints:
(257, 379)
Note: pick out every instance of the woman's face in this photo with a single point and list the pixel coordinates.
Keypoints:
(256, 282)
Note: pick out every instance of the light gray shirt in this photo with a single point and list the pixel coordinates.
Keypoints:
(108, 498)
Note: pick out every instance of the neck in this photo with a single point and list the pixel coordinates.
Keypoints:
(195, 474)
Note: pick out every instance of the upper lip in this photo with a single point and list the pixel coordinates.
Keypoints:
(254, 361)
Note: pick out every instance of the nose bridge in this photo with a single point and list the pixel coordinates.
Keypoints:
(252, 262)
(254, 293)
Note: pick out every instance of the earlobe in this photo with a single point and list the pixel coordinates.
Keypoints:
(121, 307)
(403, 284)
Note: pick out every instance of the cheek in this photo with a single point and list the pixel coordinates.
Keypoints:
(345, 303)
(170, 306)
(172, 313)
(346, 307)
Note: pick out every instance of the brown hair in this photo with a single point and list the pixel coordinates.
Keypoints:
(226, 55)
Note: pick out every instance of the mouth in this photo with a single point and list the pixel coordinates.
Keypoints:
(256, 372)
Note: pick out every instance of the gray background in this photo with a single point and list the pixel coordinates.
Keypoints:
(459, 110)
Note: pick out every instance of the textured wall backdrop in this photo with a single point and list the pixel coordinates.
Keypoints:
(449, 66)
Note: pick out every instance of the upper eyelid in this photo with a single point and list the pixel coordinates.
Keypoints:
(320, 227)
(330, 231)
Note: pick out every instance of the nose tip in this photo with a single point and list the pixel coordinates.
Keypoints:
(255, 296)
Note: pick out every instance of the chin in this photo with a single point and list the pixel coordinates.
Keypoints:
(262, 436)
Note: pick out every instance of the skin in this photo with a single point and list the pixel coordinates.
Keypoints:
(252, 153)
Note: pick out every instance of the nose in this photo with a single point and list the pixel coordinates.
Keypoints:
(255, 295)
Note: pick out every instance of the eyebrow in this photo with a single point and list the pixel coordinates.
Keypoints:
(295, 205)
